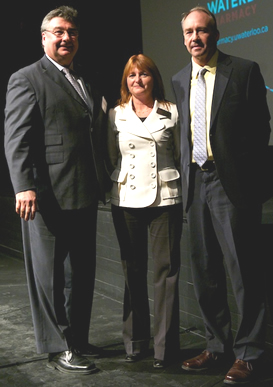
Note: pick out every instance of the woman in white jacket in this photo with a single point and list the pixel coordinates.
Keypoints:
(144, 153)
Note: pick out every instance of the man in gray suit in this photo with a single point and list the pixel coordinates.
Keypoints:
(223, 194)
(52, 145)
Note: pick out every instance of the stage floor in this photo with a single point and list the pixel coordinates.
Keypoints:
(20, 366)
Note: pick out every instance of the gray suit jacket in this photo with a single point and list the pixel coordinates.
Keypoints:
(239, 131)
(52, 138)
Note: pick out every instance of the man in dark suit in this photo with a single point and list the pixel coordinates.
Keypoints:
(52, 145)
(223, 193)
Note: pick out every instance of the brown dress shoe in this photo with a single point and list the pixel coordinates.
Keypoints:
(241, 372)
(201, 362)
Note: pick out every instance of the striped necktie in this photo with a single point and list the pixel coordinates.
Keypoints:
(200, 127)
(74, 83)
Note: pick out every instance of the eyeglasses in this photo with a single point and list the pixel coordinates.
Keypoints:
(60, 33)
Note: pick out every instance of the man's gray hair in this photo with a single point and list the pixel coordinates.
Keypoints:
(67, 13)
(201, 9)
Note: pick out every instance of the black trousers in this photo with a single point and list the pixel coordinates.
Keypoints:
(165, 225)
(60, 246)
(226, 237)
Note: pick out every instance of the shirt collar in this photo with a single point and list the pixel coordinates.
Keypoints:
(210, 66)
(57, 64)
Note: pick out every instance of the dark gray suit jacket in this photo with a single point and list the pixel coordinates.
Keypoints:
(53, 140)
(239, 131)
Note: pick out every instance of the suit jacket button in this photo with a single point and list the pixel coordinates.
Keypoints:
(132, 186)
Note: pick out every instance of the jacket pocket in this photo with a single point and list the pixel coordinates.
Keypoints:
(119, 176)
(119, 179)
(170, 183)
(54, 149)
(169, 174)
(53, 139)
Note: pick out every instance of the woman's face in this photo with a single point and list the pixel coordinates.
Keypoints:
(140, 83)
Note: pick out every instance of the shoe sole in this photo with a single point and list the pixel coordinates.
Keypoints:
(133, 359)
(233, 382)
(194, 369)
(53, 365)
(158, 367)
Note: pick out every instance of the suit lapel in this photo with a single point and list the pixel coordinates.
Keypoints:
(183, 90)
(155, 121)
(58, 77)
(136, 127)
(88, 93)
(223, 74)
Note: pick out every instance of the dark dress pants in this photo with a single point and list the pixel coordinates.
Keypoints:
(50, 239)
(165, 225)
(222, 233)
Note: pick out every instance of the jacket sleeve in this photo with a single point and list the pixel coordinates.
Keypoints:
(19, 112)
(176, 140)
(112, 156)
(258, 108)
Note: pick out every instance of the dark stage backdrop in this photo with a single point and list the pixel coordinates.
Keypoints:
(110, 34)
(246, 30)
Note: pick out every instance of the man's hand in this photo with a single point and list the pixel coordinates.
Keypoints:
(26, 204)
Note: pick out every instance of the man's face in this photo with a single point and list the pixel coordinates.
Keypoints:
(61, 49)
(199, 37)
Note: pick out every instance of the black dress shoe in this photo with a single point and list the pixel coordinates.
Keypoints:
(89, 351)
(133, 357)
(158, 364)
(69, 362)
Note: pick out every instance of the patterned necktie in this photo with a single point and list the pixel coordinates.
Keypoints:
(74, 83)
(200, 128)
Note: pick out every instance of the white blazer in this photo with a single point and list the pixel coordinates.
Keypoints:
(144, 157)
